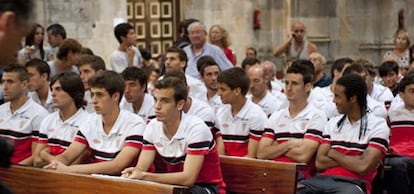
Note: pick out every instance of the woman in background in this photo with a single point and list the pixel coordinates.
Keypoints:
(33, 46)
(401, 52)
(219, 37)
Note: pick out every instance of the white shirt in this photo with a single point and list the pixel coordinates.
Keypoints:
(381, 93)
(396, 102)
(126, 131)
(322, 98)
(268, 103)
(21, 127)
(146, 112)
(203, 111)
(197, 88)
(58, 134)
(89, 104)
(377, 108)
(48, 104)
(119, 60)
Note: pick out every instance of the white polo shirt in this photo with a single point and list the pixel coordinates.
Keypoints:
(322, 98)
(48, 103)
(268, 103)
(381, 93)
(281, 97)
(377, 108)
(193, 137)
(396, 102)
(58, 134)
(203, 111)
(21, 127)
(126, 131)
(89, 104)
(197, 88)
(146, 111)
(236, 131)
(402, 131)
(119, 60)
(344, 138)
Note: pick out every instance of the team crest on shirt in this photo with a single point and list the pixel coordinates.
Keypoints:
(50, 130)
(225, 125)
(282, 125)
(158, 144)
(1, 120)
(96, 141)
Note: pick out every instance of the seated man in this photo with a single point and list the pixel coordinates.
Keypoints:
(59, 128)
(388, 71)
(209, 71)
(136, 99)
(400, 179)
(20, 116)
(89, 66)
(39, 83)
(114, 136)
(293, 134)
(240, 122)
(353, 146)
(260, 95)
(180, 146)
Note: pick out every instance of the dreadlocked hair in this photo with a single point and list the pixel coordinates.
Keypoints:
(355, 86)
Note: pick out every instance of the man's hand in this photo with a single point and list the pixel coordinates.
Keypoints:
(57, 165)
(133, 173)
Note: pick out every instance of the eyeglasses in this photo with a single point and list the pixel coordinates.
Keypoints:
(301, 31)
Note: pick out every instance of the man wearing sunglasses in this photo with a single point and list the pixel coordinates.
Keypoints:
(296, 47)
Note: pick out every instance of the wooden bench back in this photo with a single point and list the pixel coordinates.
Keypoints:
(245, 175)
(32, 180)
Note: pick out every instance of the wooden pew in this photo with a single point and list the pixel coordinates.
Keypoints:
(245, 175)
(26, 180)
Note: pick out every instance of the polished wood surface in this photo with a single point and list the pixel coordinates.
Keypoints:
(245, 175)
(26, 180)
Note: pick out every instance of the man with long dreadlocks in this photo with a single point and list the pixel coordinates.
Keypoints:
(354, 143)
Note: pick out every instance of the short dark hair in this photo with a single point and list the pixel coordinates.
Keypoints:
(122, 29)
(206, 61)
(68, 45)
(135, 74)
(178, 74)
(407, 80)
(40, 65)
(253, 49)
(22, 8)
(96, 62)
(303, 67)
(339, 64)
(19, 69)
(71, 84)
(181, 54)
(355, 67)
(235, 78)
(57, 29)
(175, 83)
(111, 81)
(249, 61)
(87, 51)
(387, 67)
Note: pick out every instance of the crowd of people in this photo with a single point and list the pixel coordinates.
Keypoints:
(169, 120)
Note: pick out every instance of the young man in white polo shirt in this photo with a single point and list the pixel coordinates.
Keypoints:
(209, 71)
(89, 66)
(240, 122)
(127, 55)
(39, 83)
(176, 59)
(20, 116)
(260, 95)
(136, 99)
(193, 106)
(180, 146)
(353, 146)
(293, 134)
(400, 179)
(58, 129)
(114, 136)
